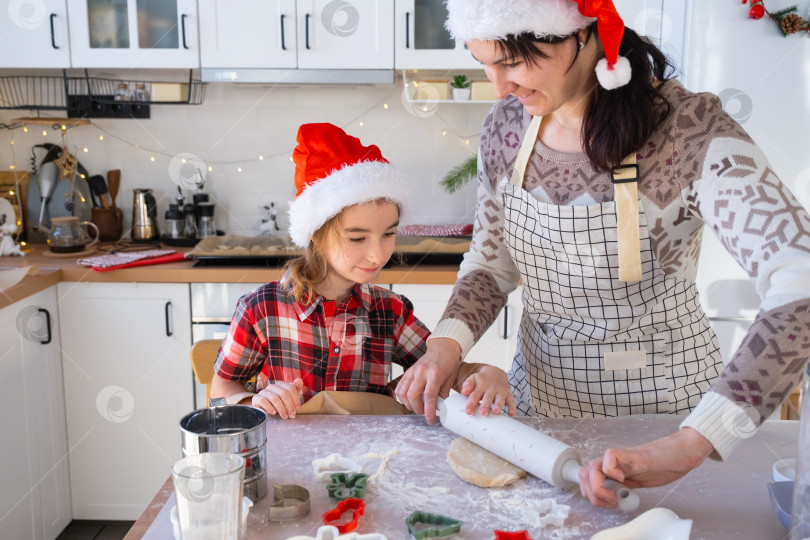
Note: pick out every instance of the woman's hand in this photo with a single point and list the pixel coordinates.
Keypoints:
(431, 376)
(656, 463)
(488, 386)
(280, 397)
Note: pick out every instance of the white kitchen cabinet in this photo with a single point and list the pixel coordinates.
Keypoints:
(128, 381)
(134, 33)
(336, 34)
(496, 346)
(248, 34)
(422, 42)
(304, 34)
(35, 498)
(35, 35)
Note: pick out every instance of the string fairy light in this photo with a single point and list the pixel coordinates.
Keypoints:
(153, 154)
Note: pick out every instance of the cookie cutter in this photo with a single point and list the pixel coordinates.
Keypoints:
(556, 514)
(289, 502)
(344, 486)
(357, 506)
(329, 532)
(512, 535)
(334, 463)
(439, 526)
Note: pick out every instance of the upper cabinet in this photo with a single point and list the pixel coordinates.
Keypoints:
(304, 34)
(248, 34)
(337, 34)
(422, 42)
(35, 35)
(134, 33)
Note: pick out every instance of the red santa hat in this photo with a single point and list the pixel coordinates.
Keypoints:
(334, 170)
(495, 19)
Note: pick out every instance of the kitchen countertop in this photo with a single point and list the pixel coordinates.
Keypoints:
(53, 270)
(406, 460)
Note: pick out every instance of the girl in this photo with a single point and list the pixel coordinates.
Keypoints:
(323, 326)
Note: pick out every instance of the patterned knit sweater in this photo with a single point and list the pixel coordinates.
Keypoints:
(700, 167)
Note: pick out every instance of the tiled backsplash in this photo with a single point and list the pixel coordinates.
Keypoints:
(238, 123)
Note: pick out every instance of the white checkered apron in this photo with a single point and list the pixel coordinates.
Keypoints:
(576, 310)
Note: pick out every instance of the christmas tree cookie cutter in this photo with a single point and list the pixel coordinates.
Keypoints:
(357, 506)
(334, 463)
(329, 532)
(289, 502)
(346, 486)
(423, 525)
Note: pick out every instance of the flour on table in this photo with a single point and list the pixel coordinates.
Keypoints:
(480, 467)
(384, 459)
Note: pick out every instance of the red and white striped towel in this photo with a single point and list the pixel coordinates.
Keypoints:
(117, 259)
(437, 230)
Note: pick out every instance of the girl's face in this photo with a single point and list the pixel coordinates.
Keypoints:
(363, 243)
(547, 85)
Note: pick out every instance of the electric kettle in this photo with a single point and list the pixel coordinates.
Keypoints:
(144, 216)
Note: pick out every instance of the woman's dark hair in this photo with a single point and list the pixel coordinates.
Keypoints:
(617, 122)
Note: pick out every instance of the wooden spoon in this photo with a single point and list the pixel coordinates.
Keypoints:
(113, 183)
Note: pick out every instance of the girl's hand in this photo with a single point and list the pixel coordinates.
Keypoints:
(648, 465)
(488, 387)
(280, 397)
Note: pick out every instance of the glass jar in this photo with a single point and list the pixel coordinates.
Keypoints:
(174, 222)
(141, 93)
(800, 510)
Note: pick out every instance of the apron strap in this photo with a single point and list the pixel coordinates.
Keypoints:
(625, 194)
(525, 152)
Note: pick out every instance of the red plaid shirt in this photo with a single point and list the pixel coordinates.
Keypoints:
(349, 346)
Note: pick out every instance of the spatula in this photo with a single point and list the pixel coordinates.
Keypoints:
(99, 187)
(113, 183)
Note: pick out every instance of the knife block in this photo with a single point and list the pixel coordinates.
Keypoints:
(110, 223)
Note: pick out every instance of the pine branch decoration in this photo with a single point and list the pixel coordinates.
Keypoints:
(460, 175)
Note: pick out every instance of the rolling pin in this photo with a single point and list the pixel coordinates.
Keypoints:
(523, 446)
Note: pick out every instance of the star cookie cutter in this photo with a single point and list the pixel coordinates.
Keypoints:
(289, 502)
(334, 463)
(423, 525)
(556, 514)
(328, 532)
(357, 506)
(344, 486)
(512, 535)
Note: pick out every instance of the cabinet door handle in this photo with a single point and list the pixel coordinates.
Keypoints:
(306, 30)
(183, 29)
(506, 322)
(407, 29)
(47, 324)
(283, 46)
(53, 34)
(169, 332)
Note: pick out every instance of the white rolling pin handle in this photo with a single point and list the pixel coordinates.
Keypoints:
(628, 500)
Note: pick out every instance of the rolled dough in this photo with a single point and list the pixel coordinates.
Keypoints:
(481, 467)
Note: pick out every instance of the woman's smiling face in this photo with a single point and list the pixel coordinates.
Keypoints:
(547, 84)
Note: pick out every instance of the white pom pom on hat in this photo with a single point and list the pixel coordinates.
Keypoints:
(469, 20)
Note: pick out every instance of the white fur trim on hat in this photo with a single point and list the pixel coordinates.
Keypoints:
(495, 19)
(358, 183)
(616, 77)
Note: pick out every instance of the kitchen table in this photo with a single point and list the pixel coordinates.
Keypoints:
(406, 461)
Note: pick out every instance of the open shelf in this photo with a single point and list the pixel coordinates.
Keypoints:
(412, 82)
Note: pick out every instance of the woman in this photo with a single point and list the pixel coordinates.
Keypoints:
(612, 324)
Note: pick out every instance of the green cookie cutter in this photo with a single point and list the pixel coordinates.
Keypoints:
(345, 486)
(439, 526)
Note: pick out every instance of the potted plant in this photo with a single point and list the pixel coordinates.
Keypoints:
(461, 87)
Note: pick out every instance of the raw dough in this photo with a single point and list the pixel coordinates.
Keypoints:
(481, 467)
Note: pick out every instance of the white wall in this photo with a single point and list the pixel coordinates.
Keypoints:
(237, 123)
(764, 81)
